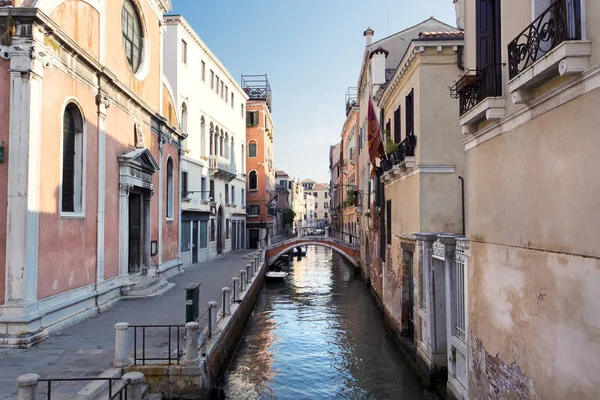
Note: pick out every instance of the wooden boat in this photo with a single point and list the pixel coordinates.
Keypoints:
(275, 275)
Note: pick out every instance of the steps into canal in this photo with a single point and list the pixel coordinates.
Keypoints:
(99, 390)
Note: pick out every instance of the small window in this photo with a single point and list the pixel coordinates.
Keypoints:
(232, 195)
(186, 243)
(252, 149)
(132, 35)
(226, 92)
(169, 188)
(184, 51)
(203, 234)
(254, 209)
(316, 205)
(212, 190)
(388, 222)
(326, 205)
(222, 89)
(326, 215)
(226, 194)
(212, 230)
(410, 117)
(184, 184)
(252, 180)
(232, 100)
(252, 118)
(72, 161)
(397, 126)
(242, 112)
(203, 188)
(212, 79)
(218, 84)
(203, 71)
(243, 198)
(227, 228)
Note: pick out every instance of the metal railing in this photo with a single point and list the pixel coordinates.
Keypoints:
(120, 394)
(405, 148)
(344, 237)
(172, 356)
(477, 85)
(558, 23)
(314, 232)
(221, 164)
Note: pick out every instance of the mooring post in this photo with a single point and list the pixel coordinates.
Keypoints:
(242, 280)
(226, 300)
(253, 267)
(248, 273)
(236, 283)
(136, 381)
(28, 387)
(191, 343)
(212, 314)
(121, 345)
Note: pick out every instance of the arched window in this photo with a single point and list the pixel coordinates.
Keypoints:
(132, 35)
(170, 188)
(72, 161)
(221, 149)
(212, 139)
(252, 149)
(252, 181)
(202, 137)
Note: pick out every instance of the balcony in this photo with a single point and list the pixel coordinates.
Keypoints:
(257, 87)
(400, 159)
(549, 47)
(221, 168)
(480, 96)
(351, 99)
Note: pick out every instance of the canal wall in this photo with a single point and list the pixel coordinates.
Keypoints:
(196, 380)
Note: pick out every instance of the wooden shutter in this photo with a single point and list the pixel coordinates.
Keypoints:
(410, 117)
(397, 126)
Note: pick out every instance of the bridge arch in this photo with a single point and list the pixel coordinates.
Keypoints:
(277, 250)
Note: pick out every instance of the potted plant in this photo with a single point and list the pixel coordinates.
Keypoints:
(390, 145)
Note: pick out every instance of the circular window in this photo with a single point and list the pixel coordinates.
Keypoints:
(132, 35)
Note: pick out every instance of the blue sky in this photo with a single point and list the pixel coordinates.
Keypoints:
(311, 51)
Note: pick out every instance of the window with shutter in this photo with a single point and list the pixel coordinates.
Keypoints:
(252, 180)
(410, 118)
(397, 126)
(252, 149)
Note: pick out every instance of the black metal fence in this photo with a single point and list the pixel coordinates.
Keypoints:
(476, 85)
(142, 343)
(120, 393)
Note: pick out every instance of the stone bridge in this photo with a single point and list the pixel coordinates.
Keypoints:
(345, 244)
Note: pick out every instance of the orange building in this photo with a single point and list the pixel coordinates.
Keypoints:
(260, 180)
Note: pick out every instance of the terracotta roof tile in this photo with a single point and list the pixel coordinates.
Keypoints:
(442, 35)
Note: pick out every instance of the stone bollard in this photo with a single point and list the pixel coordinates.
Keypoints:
(242, 280)
(121, 345)
(226, 301)
(28, 387)
(236, 288)
(248, 273)
(212, 314)
(191, 343)
(253, 266)
(256, 262)
(134, 390)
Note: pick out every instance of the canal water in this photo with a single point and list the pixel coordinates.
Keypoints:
(319, 335)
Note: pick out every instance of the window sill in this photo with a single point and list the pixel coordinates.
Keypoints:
(72, 215)
(170, 219)
(490, 108)
(568, 58)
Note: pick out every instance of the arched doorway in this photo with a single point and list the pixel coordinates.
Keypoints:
(220, 230)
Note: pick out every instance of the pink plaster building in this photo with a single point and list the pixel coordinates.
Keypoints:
(90, 173)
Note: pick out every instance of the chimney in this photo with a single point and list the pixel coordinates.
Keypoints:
(459, 9)
(369, 35)
(378, 57)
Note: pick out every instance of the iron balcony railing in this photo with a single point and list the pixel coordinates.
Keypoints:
(560, 22)
(477, 85)
(405, 148)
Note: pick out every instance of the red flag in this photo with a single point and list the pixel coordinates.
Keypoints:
(374, 135)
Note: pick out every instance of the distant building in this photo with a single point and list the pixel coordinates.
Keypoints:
(211, 107)
(259, 155)
(335, 176)
(319, 203)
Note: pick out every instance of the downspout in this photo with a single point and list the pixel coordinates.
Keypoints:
(462, 192)
(459, 59)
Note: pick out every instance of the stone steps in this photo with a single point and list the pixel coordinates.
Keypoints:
(150, 288)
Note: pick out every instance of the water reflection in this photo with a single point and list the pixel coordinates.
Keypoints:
(318, 335)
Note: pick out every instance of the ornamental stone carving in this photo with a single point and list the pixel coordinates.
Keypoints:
(439, 250)
(139, 136)
(125, 189)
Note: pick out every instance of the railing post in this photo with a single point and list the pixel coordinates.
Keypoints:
(248, 273)
(191, 343)
(28, 387)
(212, 315)
(121, 345)
(134, 390)
(226, 300)
(242, 280)
(236, 283)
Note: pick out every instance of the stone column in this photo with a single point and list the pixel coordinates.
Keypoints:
(124, 190)
(103, 103)
(23, 159)
(191, 343)
(121, 345)
(226, 300)
(28, 387)
(242, 280)
(134, 390)
(248, 273)
(236, 288)
(147, 229)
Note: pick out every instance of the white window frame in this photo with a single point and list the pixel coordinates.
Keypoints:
(82, 171)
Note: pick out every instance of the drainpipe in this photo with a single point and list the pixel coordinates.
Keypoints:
(462, 192)
(459, 58)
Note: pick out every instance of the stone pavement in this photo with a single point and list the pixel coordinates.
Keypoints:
(86, 349)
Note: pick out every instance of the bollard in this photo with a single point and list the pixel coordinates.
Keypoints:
(191, 343)
(236, 286)
(192, 302)
(242, 280)
(256, 263)
(253, 267)
(121, 345)
(226, 301)
(28, 387)
(212, 317)
(248, 274)
(134, 390)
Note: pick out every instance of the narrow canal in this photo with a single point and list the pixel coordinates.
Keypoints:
(319, 335)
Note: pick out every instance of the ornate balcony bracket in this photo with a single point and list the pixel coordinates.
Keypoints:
(491, 108)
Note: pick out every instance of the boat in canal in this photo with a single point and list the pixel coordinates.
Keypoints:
(300, 249)
(276, 275)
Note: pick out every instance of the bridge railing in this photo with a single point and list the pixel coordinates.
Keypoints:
(314, 232)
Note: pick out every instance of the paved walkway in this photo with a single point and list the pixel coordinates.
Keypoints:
(86, 349)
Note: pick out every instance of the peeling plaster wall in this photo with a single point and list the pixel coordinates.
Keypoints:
(81, 22)
(533, 315)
